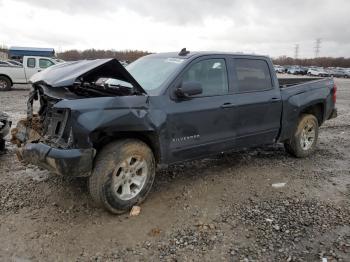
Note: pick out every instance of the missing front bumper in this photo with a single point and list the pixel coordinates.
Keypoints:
(66, 162)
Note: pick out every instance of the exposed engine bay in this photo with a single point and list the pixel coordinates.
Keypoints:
(47, 125)
(69, 81)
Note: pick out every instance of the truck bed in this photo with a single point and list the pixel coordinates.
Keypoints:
(286, 82)
(299, 93)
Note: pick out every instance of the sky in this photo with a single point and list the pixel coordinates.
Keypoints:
(268, 27)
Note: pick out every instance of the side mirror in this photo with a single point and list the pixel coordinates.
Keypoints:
(187, 89)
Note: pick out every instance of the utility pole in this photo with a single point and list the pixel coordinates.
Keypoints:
(296, 51)
(317, 47)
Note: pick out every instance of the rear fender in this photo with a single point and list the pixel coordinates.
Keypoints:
(299, 104)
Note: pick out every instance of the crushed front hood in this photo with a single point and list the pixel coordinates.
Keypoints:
(66, 74)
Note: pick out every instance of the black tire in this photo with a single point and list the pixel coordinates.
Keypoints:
(109, 169)
(5, 83)
(294, 145)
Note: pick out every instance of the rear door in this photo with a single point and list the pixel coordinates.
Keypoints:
(257, 101)
(201, 125)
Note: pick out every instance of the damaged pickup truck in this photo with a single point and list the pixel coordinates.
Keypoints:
(115, 125)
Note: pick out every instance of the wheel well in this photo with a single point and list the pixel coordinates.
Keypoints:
(149, 138)
(316, 110)
(7, 78)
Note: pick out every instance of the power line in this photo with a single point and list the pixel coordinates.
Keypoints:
(317, 47)
(296, 51)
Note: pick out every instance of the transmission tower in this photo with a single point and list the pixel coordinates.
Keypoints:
(296, 51)
(317, 47)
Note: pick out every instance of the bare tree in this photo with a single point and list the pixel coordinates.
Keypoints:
(126, 55)
(319, 61)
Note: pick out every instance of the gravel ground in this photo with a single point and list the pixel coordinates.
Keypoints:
(222, 208)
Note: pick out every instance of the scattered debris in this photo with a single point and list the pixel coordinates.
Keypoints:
(135, 211)
(203, 226)
(155, 232)
(278, 185)
(276, 227)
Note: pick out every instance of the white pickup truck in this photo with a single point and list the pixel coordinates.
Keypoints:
(10, 75)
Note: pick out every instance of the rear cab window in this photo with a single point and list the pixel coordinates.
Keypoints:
(31, 62)
(251, 75)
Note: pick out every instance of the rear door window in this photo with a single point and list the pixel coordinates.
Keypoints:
(252, 75)
(31, 62)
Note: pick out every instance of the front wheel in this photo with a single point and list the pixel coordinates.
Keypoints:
(123, 175)
(304, 140)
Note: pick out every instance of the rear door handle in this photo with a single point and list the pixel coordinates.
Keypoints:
(275, 99)
(228, 105)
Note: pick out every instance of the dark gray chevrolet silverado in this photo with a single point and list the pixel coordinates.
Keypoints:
(115, 125)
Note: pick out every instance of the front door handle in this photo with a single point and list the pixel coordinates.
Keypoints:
(228, 105)
(275, 99)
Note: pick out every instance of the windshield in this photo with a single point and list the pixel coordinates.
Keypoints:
(151, 72)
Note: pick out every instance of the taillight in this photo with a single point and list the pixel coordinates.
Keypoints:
(334, 93)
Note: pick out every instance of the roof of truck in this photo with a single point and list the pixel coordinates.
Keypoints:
(191, 54)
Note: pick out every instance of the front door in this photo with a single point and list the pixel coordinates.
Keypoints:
(202, 124)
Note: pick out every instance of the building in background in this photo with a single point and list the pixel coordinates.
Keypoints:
(3, 55)
(16, 52)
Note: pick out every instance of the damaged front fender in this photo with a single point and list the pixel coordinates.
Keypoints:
(107, 115)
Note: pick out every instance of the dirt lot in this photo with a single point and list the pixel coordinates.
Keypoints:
(222, 208)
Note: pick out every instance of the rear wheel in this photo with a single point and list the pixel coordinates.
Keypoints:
(5, 83)
(304, 140)
(123, 175)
